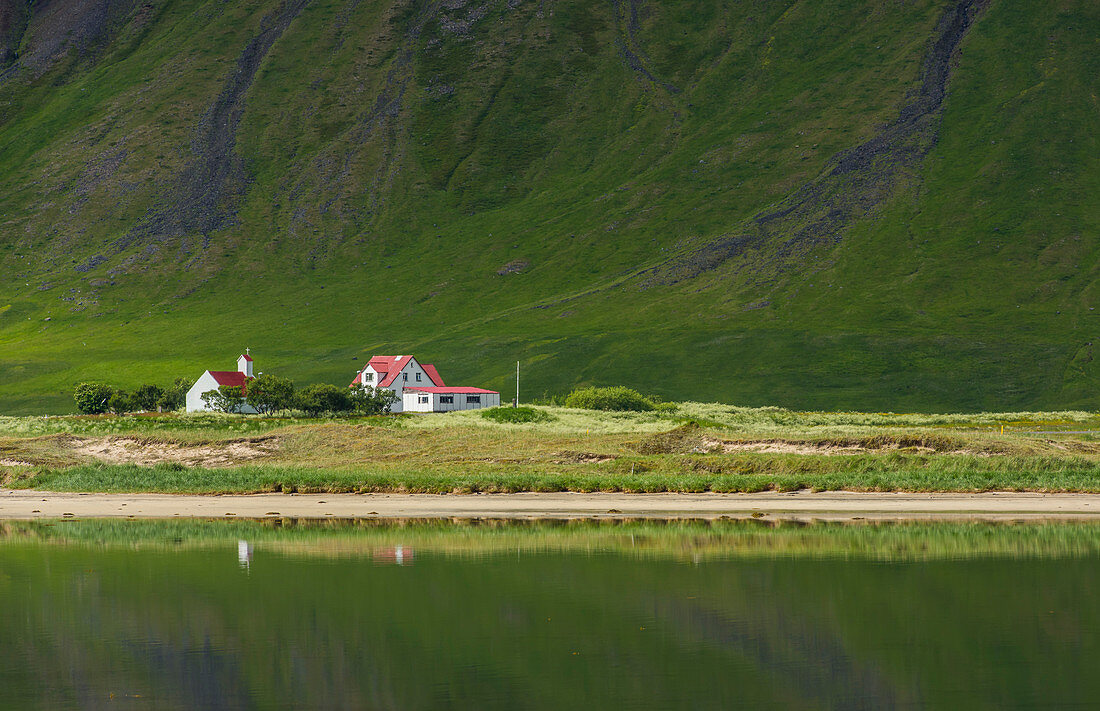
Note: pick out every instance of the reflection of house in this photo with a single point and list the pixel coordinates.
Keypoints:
(396, 555)
(395, 373)
(430, 399)
(212, 379)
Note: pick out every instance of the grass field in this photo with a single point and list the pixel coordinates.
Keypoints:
(580, 189)
(685, 447)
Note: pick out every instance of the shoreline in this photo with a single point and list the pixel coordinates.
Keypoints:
(834, 505)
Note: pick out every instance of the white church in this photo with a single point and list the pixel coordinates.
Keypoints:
(211, 379)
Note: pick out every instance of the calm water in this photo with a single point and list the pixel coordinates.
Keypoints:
(638, 616)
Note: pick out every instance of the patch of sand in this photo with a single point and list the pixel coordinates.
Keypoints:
(778, 446)
(129, 450)
(14, 463)
(796, 505)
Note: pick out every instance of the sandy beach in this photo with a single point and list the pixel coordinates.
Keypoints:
(24, 504)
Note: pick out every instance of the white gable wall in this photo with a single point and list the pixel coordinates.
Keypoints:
(205, 383)
(373, 382)
(412, 374)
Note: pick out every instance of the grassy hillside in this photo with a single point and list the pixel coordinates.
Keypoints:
(815, 204)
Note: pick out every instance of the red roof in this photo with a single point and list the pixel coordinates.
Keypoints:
(389, 367)
(453, 391)
(245, 356)
(396, 364)
(433, 374)
(233, 378)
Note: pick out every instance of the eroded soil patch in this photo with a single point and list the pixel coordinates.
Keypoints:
(570, 457)
(690, 439)
(131, 450)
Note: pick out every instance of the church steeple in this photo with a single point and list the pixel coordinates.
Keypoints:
(244, 364)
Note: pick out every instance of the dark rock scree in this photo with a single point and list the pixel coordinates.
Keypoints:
(854, 182)
(204, 197)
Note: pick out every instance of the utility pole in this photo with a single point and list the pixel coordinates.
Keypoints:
(516, 403)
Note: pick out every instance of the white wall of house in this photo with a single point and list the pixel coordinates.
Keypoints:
(412, 374)
(372, 380)
(205, 383)
(415, 401)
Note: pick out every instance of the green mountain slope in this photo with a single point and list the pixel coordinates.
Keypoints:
(823, 203)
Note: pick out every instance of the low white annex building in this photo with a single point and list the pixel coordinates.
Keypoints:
(212, 379)
(446, 399)
(411, 381)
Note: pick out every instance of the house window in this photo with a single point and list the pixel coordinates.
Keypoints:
(418, 377)
(423, 399)
(368, 377)
(473, 399)
(446, 399)
(405, 377)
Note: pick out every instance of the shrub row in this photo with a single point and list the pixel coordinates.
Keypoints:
(265, 393)
(612, 398)
(97, 398)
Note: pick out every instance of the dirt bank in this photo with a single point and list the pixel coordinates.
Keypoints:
(132, 450)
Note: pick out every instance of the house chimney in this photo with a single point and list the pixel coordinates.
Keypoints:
(244, 364)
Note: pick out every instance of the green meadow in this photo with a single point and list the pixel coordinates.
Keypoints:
(681, 447)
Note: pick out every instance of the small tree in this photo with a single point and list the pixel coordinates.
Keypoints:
(268, 393)
(146, 397)
(92, 398)
(120, 403)
(175, 396)
(371, 401)
(316, 399)
(227, 398)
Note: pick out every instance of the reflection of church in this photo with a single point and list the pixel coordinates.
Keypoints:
(244, 554)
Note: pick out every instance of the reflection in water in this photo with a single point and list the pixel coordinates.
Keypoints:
(394, 555)
(502, 615)
(244, 554)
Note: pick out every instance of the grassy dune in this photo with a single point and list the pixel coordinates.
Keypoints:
(687, 447)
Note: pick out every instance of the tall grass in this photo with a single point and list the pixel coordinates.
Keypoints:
(735, 474)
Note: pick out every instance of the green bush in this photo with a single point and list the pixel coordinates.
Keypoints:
(120, 403)
(268, 393)
(147, 397)
(92, 398)
(227, 398)
(613, 398)
(319, 398)
(515, 415)
(175, 396)
(371, 401)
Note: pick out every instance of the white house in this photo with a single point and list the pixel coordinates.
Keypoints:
(211, 379)
(418, 386)
(395, 373)
(444, 399)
